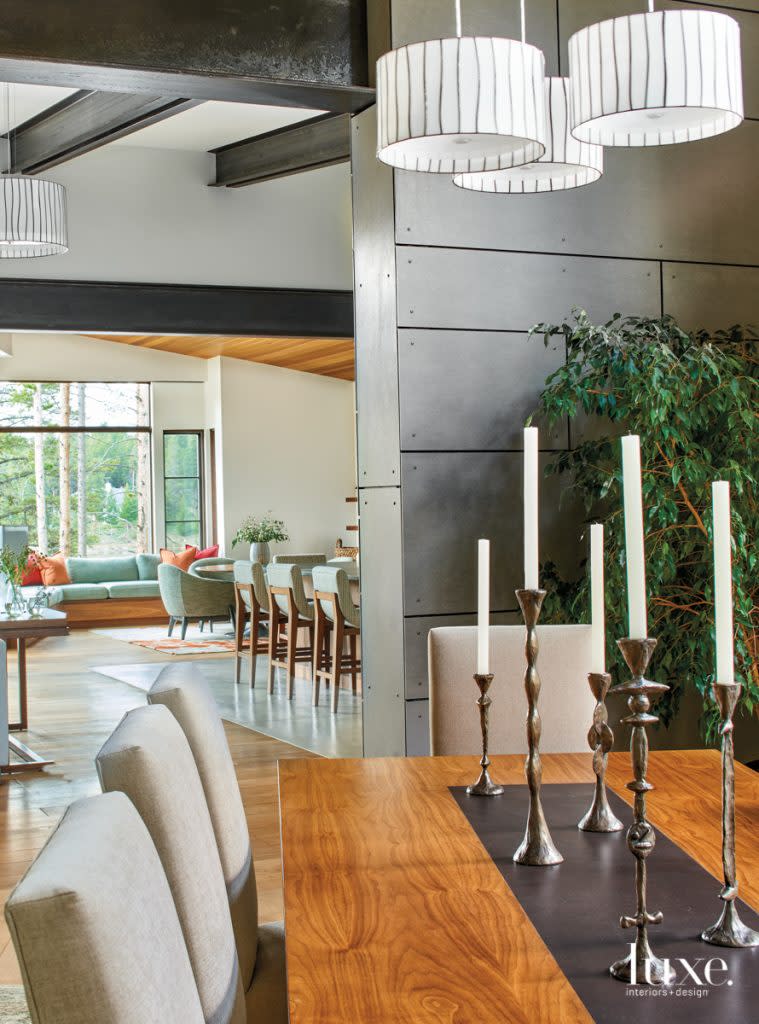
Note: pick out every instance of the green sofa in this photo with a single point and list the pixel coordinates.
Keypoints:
(98, 579)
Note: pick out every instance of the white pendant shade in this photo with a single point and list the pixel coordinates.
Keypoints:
(655, 79)
(32, 217)
(460, 104)
(567, 163)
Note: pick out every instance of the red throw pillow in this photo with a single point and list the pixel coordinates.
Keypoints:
(53, 571)
(182, 559)
(211, 552)
(33, 576)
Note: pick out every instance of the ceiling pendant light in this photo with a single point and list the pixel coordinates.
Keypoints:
(32, 210)
(567, 163)
(460, 104)
(656, 78)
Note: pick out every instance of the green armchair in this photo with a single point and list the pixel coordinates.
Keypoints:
(186, 596)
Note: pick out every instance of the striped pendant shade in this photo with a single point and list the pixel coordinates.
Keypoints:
(566, 163)
(460, 104)
(32, 217)
(655, 79)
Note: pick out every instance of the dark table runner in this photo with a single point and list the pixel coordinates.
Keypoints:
(575, 907)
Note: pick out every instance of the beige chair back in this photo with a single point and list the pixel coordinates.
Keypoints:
(149, 759)
(185, 692)
(95, 928)
(304, 561)
(288, 576)
(252, 573)
(565, 703)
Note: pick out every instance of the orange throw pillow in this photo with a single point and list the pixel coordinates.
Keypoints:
(53, 570)
(182, 559)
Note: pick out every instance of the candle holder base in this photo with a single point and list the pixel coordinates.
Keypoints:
(642, 969)
(730, 930)
(600, 817)
(484, 786)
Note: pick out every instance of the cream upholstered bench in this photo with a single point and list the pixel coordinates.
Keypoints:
(95, 928)
(565, 703)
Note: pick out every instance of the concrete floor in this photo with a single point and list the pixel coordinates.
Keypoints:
(295, 721)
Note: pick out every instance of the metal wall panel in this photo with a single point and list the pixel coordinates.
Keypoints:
(472, 390)
(687, 202)
(418, 728)
(417, 20)
(576, 14)
(375, 309)
(382, 621)
(701, 295)
(415, 631)
(474, 288)
(449, 500)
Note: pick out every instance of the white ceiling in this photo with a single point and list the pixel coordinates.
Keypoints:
(207, 126)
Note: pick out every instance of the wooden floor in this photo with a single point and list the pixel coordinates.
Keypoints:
(72, 712)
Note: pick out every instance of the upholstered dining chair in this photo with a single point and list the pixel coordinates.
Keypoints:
(120, 960)
(186, 596)
(289, 611)
(260, 948)
(251, 603)
(565, 704)
(337, 617)
(304, 561)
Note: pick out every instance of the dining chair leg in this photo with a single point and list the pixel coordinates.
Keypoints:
(354, 662)
(183, 632)
(318, 655)
(172, 620)
(337, 658)
(292, 643)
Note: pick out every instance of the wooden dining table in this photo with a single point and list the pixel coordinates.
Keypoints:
(395, 912)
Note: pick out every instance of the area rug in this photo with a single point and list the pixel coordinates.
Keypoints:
(171, 645)
(13, 1008)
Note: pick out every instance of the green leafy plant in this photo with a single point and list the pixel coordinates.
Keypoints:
(260, 531)
(13, 563)
(693, 399)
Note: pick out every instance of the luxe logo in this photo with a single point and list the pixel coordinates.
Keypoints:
(700, 972)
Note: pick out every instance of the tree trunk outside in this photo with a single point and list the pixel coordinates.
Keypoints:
(39, 473)
(81, 477)
(143, 470)
(64, 472)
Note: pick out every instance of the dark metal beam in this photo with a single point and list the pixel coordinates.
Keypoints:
(318, 142)
(91, 307)
(308, 53)
(83, 122)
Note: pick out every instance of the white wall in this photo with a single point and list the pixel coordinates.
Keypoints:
(287, 442)
(148, 215)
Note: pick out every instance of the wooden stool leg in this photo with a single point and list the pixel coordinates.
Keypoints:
(273, 644)
(255, 619)
(239, 626)
(318, 653)
(354, 662)
(337, 658)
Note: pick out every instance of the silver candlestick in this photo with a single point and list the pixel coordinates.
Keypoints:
(537, 847)
(729, 929)
(484, 786)
(600, 817)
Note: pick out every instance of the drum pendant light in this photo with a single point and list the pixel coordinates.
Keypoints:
(656, 78)
(32, 210)
(461, 104)
(566, 164)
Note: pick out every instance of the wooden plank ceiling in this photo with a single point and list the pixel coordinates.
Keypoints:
(329, 357)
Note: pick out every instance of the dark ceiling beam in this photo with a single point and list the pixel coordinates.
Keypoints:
(83, 122)
(308, 53)
(87, 307)
(318, 142)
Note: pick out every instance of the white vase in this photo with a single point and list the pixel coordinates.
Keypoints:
(260, 552)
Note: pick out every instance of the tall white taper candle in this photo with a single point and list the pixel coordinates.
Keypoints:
(483, 607)
(634, 547)
(597, 612)
(531, 508)
(723, 583)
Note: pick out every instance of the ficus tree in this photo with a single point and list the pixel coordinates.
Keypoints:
(694, 400)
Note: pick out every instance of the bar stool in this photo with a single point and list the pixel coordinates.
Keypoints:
(251, 602)
(304, 561)
(337, 617)
(289, 611)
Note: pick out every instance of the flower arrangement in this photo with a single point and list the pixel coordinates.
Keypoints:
(261, 531)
